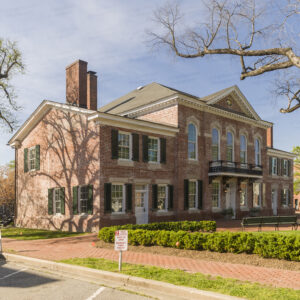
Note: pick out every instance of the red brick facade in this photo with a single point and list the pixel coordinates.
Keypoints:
(75, 149)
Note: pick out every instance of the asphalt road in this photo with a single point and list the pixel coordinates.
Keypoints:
(20, 283)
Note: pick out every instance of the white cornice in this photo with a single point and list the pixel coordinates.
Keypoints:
(280, 153)
(135, 124)
(38, 114)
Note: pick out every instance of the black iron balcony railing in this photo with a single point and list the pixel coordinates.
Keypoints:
(223, 166)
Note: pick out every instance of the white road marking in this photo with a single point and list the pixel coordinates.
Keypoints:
(99, 291)
(11, 274)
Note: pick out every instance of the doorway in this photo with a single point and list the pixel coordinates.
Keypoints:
(141, 204)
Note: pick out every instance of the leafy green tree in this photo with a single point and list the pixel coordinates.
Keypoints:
(296, 150)
(10, 64)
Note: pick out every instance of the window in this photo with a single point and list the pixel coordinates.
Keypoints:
(192, 194)
(153, 149)
(274, 166)
(243, 149)
(140, 194)
(124, 145)
(229, 148)
(215, 144)
(162, 197)
(256, 194)
(243, 195)
(57, 201)
(117, 198)
(83, 199)
(285, 197)
(32, 158)
(285, 168)
(215, 194)
(257, 152)
(192, 142)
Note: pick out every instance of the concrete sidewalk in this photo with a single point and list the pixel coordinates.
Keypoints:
(82, 246)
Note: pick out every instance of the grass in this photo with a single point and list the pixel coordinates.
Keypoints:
(34, 234)
(226, 286)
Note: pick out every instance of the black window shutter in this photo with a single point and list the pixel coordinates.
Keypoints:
(170, 196)
(37, 157)
(114, 144)
(90, 200)
(62, 200)
(128, 187)
(50, 201)
(25, 160)
(289, 172)
(107, 197)
(145, 148)
(154, 196)
(163, 154)
(200, 194)
(186, 194)
(270, 165)
(75, 200)
(135, 147)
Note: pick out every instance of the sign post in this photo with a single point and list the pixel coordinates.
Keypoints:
(121, 244)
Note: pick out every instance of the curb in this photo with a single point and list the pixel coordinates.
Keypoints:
(130, 282)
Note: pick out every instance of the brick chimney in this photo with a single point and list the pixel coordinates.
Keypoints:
(81, 86)
(270, 137)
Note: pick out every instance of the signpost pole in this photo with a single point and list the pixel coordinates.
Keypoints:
(120, 261)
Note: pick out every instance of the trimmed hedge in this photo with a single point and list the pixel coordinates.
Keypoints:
(270, 245)
(205, 226)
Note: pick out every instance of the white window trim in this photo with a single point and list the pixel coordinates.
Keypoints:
(196, 200)
(28, 159)
(219, 141)
(274, 166)
(158, 150)
(196, 142)
(123, 199)
(130, 145)
(246, 152)
(219, 196)
(53, 202)
(78, 201)
(167, 197)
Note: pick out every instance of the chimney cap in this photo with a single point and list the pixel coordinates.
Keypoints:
(92, 72)
(76, 62)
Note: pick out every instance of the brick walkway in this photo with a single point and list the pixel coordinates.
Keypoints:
(82, 246)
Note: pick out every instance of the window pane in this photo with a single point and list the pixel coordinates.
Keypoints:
(123, 145)
(257, 152)
(192, 194)
(153, 149)
(243, 195)
(161, 197)
(215, 144)
(83, 199)
(116, 197)
(192, 133)
(57, 204)
(192, 150)
(192, 142)
(243, 149)
(32, 158)
(229, 152)
(256, 194)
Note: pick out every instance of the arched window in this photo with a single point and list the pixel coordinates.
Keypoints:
(192, 142)
(215, 145)
(243, 149)
(257, 152)
(229, 147)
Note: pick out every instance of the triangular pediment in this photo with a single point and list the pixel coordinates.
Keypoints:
(232, 100)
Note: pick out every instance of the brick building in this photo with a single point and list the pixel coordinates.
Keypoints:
(155, 154)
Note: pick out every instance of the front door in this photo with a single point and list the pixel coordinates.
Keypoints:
(274, 202)
(231, 197)
(141, 204)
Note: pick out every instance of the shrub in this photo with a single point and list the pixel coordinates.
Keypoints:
(270, 245)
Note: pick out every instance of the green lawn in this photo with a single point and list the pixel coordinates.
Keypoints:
(34, 234)
(196, 280)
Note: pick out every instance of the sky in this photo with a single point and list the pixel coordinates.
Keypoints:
(111, 37)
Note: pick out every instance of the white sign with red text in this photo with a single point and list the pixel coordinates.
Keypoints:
(121, 240)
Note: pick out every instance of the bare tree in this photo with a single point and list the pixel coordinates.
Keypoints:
(10, 64)
(241, 28)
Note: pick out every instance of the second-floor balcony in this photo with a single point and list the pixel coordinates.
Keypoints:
(223, 167)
